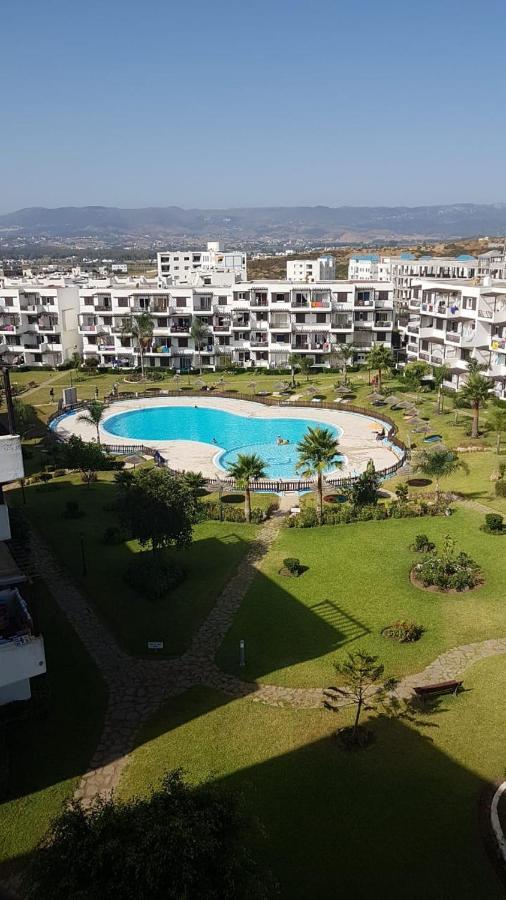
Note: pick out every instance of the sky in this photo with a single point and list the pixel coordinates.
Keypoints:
(266, 103)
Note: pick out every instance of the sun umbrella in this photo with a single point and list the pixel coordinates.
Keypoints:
(416, 422)
(281, 386)
(311, 389)
(392, 400)
(343, 389)
(375, 397)
(405, 404)
(421, 429)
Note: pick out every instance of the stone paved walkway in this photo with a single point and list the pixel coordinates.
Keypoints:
(137, 688)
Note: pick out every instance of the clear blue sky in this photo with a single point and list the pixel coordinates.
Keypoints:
(272, 102)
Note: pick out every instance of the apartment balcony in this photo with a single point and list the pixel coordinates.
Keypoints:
(281, 326)
(498, 344)
(222, 329)
(179, 329)
(344, 307)
(241, 325)
(492, 316)
(363, 323)
(461, 338)
(51, 347)
(436, 309)
(87, 329)
(259, 343)
(259, 303)
(424, 355)
(384, 304)
(341, 323)
(259, 324)
(429, 332)
(383, 324)
(364, 303)
(156, 350)
(101, 307)
(311, 326)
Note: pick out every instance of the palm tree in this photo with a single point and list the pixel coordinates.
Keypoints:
(199, 332)
(93, 416)
(141, 329)
(318, 452)
(345, 353)
(497, 421)
(247, 467)
(437, 464)
(476, 392)
(440, 374)
(474, 367)
(195, 482)
(294, 363)
(380, 358)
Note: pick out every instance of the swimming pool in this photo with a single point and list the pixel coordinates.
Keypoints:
(231, 433)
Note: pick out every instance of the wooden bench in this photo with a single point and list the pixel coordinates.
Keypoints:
(444, 687)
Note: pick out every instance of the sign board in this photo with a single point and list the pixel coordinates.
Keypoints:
(69, 396)
(11, 458)
(155, 645)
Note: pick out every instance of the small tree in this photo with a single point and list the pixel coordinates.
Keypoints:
(182, 841)
(414, 373)
(140, 327)
(195, 481)
(199, 332)
(294, 363)
(497, 422)
(247, 467)
(93, 416)
(476, 392)
(363, 684)
(318, 452)
(381, 359)
(438, 463)
(364, 491)
(305, 363)
(345, 354)
(440, 374)
(86, 458)
(25, 418)
(157, 508)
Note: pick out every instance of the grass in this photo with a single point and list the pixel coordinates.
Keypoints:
(50, 750)
(357, 583)
(259, 500)
(209, 563)
(398, 819)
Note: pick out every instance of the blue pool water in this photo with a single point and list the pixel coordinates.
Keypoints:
(227, 431)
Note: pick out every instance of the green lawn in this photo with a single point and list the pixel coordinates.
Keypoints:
(397, 820)
(357, 583)
(213, 557)
(50, 750)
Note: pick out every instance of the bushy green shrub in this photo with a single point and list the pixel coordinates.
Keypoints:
(403, 632)
(494, 523)
(221, 512)
(152, 576)
(89, 478)
(421, 544)
(114, 535)
(345, 513)
(448, 570)
(72, 510)
(500, 488)
(45, 476)
(292, 565)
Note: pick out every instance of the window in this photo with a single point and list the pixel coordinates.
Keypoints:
(180, 302)
(122, 301)
(381, 336)
(300, 317)
(321, 317)
(183, 342)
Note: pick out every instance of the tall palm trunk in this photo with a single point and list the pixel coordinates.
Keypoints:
(247, 502)
(141, 355)
(476, 418)
(98, 432)
(498, 443)
(320, 498)
(437, 490)
(292, 370)
(379, 380)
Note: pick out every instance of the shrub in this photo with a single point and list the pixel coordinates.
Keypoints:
(58, 473)
(421, 544)
(88, 477)
(448, 570)
(402, 492)
(45, 476)
(403, 632)
(152, 576)
(293, 566)
(114, 535)
(494, 523)
(72, 510)
(500, 488)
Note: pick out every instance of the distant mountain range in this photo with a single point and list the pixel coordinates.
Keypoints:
(310, 223)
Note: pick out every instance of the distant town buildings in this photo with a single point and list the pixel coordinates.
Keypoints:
(311, 270)
(181, 265)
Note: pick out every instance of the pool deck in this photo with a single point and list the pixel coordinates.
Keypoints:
(357, 442)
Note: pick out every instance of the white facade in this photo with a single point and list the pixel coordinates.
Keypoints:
(38, 321)
(178, 266)
(451, 321)
(251, 324)
(22, 653)
(311, 270)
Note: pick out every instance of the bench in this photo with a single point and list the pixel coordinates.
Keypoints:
(444, 687)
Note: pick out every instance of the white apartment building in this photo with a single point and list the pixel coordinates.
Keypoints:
(22, 654)
(250, 324)
(178, 266)
(368, 267)
(38, 320)
(453, 321)
(311, 270)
